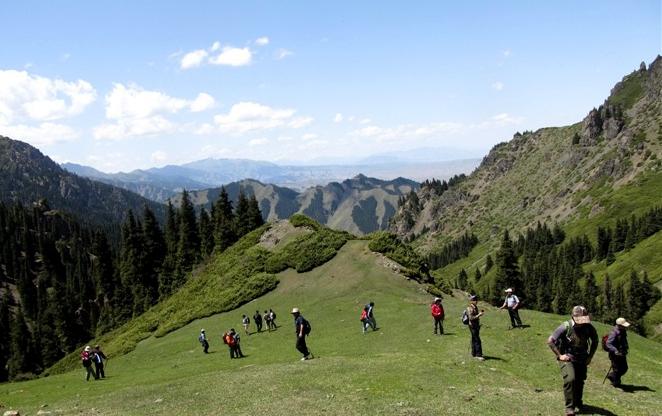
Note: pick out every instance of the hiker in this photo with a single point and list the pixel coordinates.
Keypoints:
(574, 342)
(237, 344)
(371, 315)
(98, 360)
(229, 340)
(86, 359)
(474, 327)
(202, 338)
(302, 329)
(365, 321)
(272, 319)
(257, 318)
(617, 345)
(512, 303)
(267, 320)
(245, 321)
(437, 311)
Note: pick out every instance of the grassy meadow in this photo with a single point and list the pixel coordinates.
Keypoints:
(401, 369)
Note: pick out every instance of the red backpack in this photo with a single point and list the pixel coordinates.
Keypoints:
(364, 315)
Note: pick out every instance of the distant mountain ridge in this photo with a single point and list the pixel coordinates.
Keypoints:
(27, 176)
(159, 184)
(359, 205)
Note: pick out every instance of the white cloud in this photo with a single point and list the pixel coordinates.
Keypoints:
(202, 102)
(216, 46)
(43, 134)
(24, 97)
(504, 119)
(193, 59)
(309, 136)
(338, 118)
(282, 53)
(258, 142)
(135, 111)
(365, 121)
(159, 156)
(248, 116)
(262, 41)
(232, 57)
(498, 86)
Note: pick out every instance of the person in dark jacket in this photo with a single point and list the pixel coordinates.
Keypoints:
(474, 327)
(237, 344)
(99, 358)
(617, 344)
(512, 304)
(574, 343)
(257, 318)
(300, 329)
(437, 315)
(202, 338)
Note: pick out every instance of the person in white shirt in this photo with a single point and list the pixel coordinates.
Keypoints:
(512, 303)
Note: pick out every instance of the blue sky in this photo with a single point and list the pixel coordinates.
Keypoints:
(123, 85)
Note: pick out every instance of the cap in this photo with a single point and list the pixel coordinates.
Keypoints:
(88, 348)
(622, 322)
(509, 290)
(437, 299)
(295, 310)
(202, 330)
(580, 315)
(473, 297)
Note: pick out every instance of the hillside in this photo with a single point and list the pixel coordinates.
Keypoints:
(359, 205)
(591, 174)
(26, 176)
(400, 370)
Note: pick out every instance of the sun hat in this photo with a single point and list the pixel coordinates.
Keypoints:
(509, 290)
(622, 322)
(295, 310)
(202, 330)
(88, 348)
(580, 315)
(437, 299)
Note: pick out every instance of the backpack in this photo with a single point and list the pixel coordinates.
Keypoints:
(306, 327)
(562, 342)
(364, 315)
(605, 337)
(465, 317)
(201, 339)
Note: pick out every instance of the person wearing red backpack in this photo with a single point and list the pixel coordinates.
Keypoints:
(86, 357)
(229, 340)
(617, 346)
(437, 311)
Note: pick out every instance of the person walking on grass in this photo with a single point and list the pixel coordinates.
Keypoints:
(237, 344)
(617, 346)
(99, 358)
(437, 311)
(202, 338)
(474, 315)
(245, 322)
(574, 343)
(272, 319)
(267, 320)
(229, 340)
(86, 357)
(512, 303)
(371, 315)
(302, 329)
(365, 321)
(257, 318)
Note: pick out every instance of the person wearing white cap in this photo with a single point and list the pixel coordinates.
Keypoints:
(86, 357)
(437, 311)
(574, 343)
(512, 303)
(617, 346)
(202, 338)
(302, 329)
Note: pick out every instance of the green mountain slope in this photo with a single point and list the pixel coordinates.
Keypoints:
(400, 370)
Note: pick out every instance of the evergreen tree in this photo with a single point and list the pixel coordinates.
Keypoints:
(171, 237)
(206, 233)
(242, 215)
(131, 268)
(462, 280)
(477, 275)
(21, 351)
(507, 272)
(223, 218)
(188, 247)
(153, 256)
(489, 263)
(5, 339)
(590, 294)
(254, 215)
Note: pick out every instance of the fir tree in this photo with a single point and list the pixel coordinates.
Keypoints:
(206, 233)
(489, 263)
(477, 275)
(21, 351)
(507, 272)
(254, 215)
(223, 218)
(153, 248)
(590, 294)
(242, 215)
(171, 237)
(462, 280)
(5, 339)
(188, 247)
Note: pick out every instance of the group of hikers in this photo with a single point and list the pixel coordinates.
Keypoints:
(574, 342)
(93, 356)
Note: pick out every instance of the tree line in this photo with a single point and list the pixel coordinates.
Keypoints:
(545, 270)
(62, 283)
(452, 251)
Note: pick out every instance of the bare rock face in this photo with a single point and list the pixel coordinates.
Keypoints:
(611, 128)
(591, 128)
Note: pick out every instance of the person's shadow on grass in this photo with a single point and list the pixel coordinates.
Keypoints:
(630, 388)
(595, 410)
(489, 357)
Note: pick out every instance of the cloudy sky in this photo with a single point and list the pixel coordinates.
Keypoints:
(120, 85)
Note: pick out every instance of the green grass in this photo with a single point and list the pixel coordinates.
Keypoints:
(400, 370)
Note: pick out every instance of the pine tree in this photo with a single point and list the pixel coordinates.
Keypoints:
(153, 256)
(507, 272)
(489, 263)
(477, 275)
(21, 347)
(131, 267)
(171, 237)
(462, 280)
(223, 218)
(242, 215)
(188, 247)
(254, 215)
(5, 339)
(590, 294)
(206, 232)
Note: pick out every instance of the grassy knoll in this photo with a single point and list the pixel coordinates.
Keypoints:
(400, 370)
